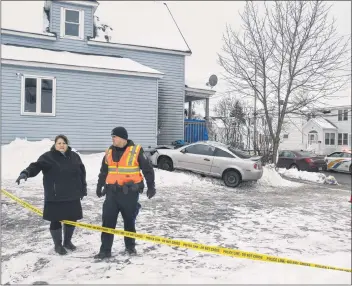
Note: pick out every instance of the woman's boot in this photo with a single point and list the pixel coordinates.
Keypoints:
(68, 232)
(56, 234)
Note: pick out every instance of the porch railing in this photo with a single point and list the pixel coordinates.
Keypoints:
(195, 130)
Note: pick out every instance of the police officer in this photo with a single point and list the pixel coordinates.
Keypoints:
(120, 179)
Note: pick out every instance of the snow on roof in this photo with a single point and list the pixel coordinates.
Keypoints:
(142, 23)
(24, 16)
(35, 55)
(323, 123)
(198, 85)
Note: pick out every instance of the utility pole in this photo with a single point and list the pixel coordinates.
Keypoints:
(255, 110)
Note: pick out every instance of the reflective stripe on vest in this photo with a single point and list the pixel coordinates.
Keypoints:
(127, 169)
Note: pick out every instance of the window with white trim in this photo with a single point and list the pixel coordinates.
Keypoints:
(72, 23)
(343, 115)
(330, 139)
(38, 95)
(342, 139)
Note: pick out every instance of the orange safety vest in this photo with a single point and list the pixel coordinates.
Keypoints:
(125, 170)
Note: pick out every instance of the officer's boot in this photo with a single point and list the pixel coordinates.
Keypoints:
(68, 232)
(130, 246)
(56, 234)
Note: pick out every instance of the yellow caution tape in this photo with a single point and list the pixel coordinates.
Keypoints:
(180, 243)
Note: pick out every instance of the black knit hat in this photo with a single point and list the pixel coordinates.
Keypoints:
(120, 132)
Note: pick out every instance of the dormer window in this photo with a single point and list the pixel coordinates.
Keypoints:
(72, 23)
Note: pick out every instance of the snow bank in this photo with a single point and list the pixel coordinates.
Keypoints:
(307, 176)
(19, 154)
(24, 152)
(272, 178)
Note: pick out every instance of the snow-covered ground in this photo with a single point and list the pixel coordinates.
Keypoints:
(315, 177)
(273, 216)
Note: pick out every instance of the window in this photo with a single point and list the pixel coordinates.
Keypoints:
(222, 153)
(342, 139)
(347, 155)
(342, 115)
(285, 136)
(239, 153)
(336, 155)
(287, 154)
(38, 95)
(312, 137)
(200, 149)
(329, 138)
(72, 23)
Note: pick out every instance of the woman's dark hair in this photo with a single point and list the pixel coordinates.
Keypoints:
(63, 137)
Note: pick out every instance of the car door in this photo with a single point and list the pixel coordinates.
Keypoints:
(346, 162)
(197, 158)
(286, 159)
(333, 159)
(220, 161)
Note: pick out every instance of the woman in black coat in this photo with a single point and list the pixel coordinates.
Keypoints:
(64, 180)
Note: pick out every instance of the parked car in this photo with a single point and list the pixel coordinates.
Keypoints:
(212, 159)
(301, 160)
(339, 161)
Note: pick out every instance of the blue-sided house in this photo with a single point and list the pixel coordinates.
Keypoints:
(83, 67)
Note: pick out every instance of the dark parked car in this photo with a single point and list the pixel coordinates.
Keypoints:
(301, 160)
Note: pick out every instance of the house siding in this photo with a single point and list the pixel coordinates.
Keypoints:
(88, 107)
(171, 86)
(293, 128)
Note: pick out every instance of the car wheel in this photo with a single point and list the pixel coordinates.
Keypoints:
(294, 166)
(166, 164)
(232, 179)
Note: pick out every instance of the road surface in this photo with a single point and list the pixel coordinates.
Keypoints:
(343, 179)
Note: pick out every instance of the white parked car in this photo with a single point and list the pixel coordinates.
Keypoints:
(211, 159)
(339, 161)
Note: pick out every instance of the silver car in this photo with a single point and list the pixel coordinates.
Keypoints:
(211, 159)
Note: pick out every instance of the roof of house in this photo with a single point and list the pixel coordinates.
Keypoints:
(15, 16)
(139, 23)
(143, 23)
(323, 123)
(67, 60)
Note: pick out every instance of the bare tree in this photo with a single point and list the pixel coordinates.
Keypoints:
(290, 54)
(230, 111)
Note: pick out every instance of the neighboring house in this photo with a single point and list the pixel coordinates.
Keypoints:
(324, 134)
(81, 68)
(292, 136)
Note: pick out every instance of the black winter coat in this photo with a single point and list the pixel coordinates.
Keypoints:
(64, 175)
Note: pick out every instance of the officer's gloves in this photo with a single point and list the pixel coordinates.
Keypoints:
(23, 176)
(100, 191)
(151, 192)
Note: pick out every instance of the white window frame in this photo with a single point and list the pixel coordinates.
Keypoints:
(342, 139)
(39, 96)
(80, 24)
(335, 139)
(342, 112)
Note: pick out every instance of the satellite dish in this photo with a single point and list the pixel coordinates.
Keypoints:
(213, 80)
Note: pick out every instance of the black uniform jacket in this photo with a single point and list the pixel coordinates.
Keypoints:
(144, 164)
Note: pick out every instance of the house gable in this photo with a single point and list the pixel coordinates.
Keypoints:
(171, 88)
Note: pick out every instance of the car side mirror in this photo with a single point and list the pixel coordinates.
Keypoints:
(183, 151)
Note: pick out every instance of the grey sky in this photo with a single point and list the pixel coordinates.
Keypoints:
(203, 23)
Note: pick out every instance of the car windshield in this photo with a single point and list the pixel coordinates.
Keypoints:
(239, 153)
